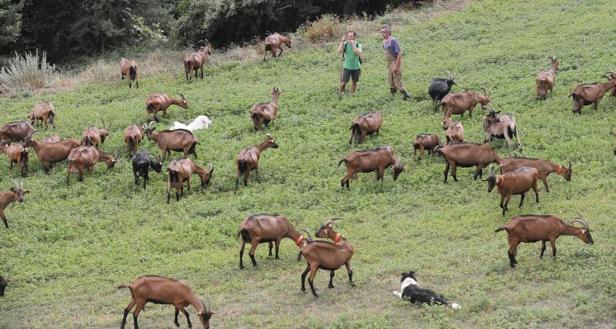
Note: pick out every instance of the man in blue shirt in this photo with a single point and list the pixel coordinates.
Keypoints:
(393, 55)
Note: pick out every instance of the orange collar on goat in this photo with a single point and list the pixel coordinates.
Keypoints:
(337, 238)
(299, 240)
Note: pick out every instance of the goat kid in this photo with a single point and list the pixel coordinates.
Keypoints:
(264, 113)
(425, 142)
(248, 160)
(365, 124)
(15, 194)
(17, 154)
(546, 79)
(517, 182)
(142, 162)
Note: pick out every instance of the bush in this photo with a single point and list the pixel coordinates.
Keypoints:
(26, 73)
(326, 28)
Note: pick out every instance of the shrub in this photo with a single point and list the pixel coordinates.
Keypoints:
(25, 73)
(326, 28)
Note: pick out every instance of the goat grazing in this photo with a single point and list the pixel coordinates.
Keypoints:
(365, 124)
(326, 255)
(15, 194)
(458, 103)
(248, 159)
(85, 157)
(93, 136)
(264, 113)
(142, 162)
(50, 153)
(514, 183)
(44, 112)
(467, 155)
(544, 167)
(128, 67)
(180, 172)
(590, 93)
(17, 154)
(200, 122)
(496, 125)
(454, 131)
(52, 139)
(160, 103)
(274, 42)
(546, 79)
(261, 228)
(439, 88)
(179, 140)
(611, 76)
(132, 137)
(161, 290)
(425, 142)
(196, 60)
(16, 131)
(3, 284)
(409, 290)
(533, 228)
(377, 159)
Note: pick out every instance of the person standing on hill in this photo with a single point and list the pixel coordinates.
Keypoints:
(351, 61)
(393, 55)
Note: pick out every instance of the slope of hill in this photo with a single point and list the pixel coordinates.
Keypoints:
(68, 248)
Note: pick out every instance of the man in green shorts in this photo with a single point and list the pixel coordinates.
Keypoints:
(351, 67)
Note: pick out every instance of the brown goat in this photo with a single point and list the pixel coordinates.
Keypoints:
(425, 142)
(365, 124)
(377, 159)
(261, 228)
(93, 136)
(44, 112)
(458, 103)
(546, 79)
(52, 139)
(454, 131)
(3, 284)
(128, 67)
(544, 167)
(161, 290)
(533, 228)
(248, 160)
(590, 93)
(179, 140)
(132, 137)
(496, 125)
(274, 42)
(85, 157)
(160, 103)
(326, 255)
(15, 194)
(514, 183)
(264, 113)
(16, 131)
(467, 155)
(17, 154)
(48, 154)
(180, 171)
(196, 60)
(611, 76)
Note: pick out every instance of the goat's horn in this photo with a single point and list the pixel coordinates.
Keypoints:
(569, 164)
(449, 75)
(182, 95)
(269, 136)
(581, 221)
(309, 236)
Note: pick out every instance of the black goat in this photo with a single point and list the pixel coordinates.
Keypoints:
(142, 162)
(439, 88)
(3, 283)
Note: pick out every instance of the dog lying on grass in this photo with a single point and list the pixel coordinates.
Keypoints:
(409, 290)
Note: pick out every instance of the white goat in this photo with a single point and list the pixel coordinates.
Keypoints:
(200, 122)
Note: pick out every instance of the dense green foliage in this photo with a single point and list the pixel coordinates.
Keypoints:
(68, 248)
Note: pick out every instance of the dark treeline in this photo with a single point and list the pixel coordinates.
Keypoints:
(73, 29)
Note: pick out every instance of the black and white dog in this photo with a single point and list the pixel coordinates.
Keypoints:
(409, 290)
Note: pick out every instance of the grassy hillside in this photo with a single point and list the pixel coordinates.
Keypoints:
(68, 248)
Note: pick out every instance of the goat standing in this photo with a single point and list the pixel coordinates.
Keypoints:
(439, 88)
(533, 228)
(161, 290)
(264, 113)
(160, 103)
(377, 160)
(544, 167)
(274, 42)
(514, 183)
(590, 93)
(16, 131)
(178, 140)
(501, 126)
(467, 155)
(180, 171)
(15, 194)
(132, 137)
(458, 103)
(44, 112)
(142, 162)
(85, 157)
(248, 160)
(196, 60)
(48, 154)
(425, 142)
(17, 154)
(365, 124)
(261, 228)
(454, 131)
(128, 67)
(546, 79)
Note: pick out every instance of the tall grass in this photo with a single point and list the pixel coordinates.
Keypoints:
(27, 72)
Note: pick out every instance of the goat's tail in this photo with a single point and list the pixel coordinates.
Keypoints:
(122, 286)
(244, 234)
(132, 73)
(87, 141)
(192, 148)
(52, 117)
(132, 143)
(174, 177)
(242, 166)
(187, 65)
(354, 133)
(341, 161)
(512, 132)
(502, 228)
(23, 157)
(150, 108)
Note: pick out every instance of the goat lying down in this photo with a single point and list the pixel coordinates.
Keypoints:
(200, 122)
(409, 290)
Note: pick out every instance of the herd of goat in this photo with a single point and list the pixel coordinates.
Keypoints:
(517, 176)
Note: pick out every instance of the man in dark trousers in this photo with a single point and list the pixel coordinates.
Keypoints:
(393, 55)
